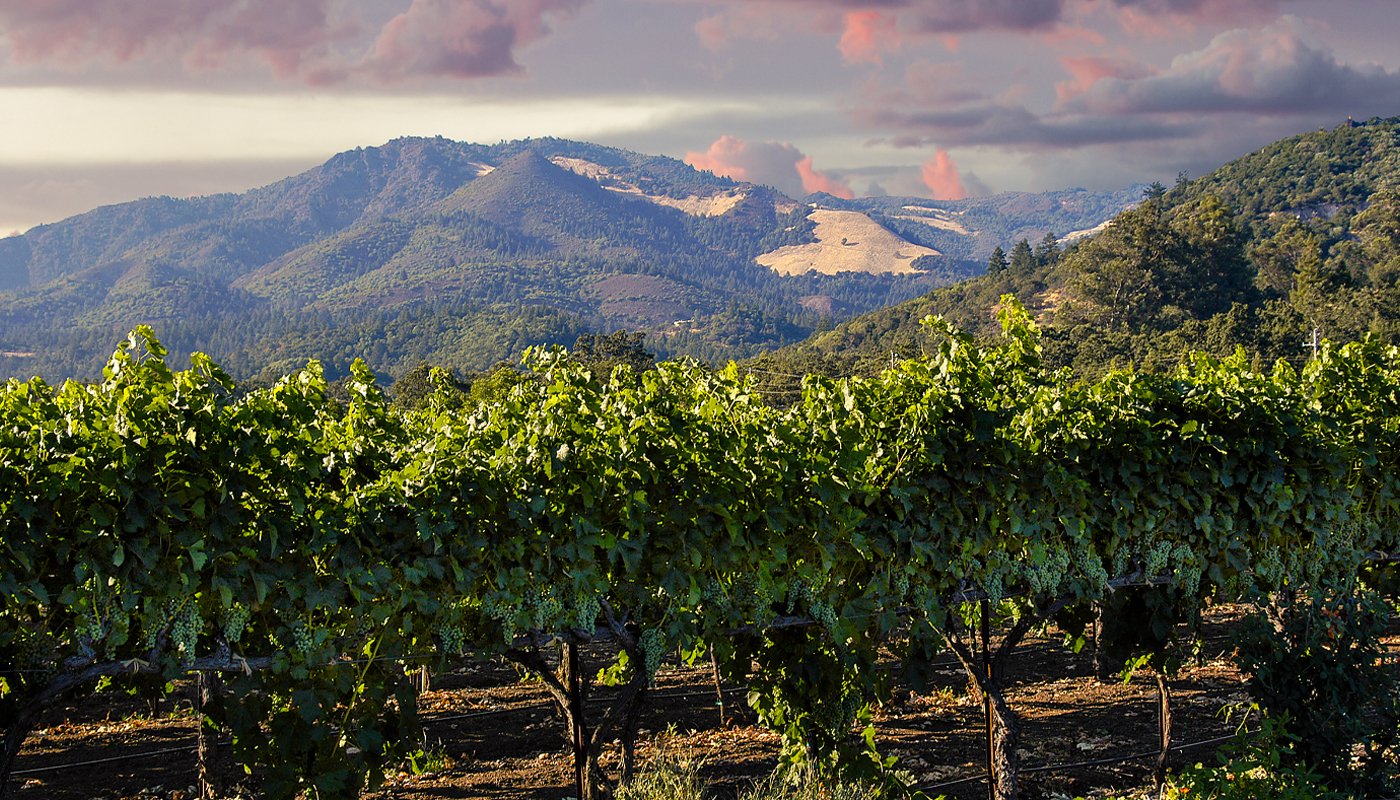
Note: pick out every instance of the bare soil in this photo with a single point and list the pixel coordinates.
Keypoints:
(503, 740)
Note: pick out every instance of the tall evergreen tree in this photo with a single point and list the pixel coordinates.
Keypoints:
(1022, 259)
(1047, 251)
(997, 263)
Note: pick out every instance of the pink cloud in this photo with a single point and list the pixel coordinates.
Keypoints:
(721, 158)
(868, 35)
(1162, 19)
(459, 38)
(766, 21)
(1072, 36)
(941, 177)
(814, 181)
(294, 38)
(1089, 70)
(933, 84)
(206, 34)
(776, 164)
(1267, 71)
(1152, 26)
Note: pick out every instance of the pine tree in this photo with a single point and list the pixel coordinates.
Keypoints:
(1047, 251)
(1023, 261)
(997, 263)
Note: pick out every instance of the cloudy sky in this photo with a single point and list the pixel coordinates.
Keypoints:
(103, 101)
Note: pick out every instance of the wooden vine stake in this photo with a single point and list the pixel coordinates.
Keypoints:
(207, 688)
(992, 772)
(1164, 727)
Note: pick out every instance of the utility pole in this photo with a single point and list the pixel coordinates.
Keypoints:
(1315, 344)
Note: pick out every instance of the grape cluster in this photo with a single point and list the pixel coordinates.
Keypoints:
(716, 598)
(451, 638)
(803, 594)
(36, 654)
(548, 610)
(756, 601)
(823, 612)
(87, 631)
(799, 593)
(1189, 568)
(504, 613)
(900, 586)
(1269, 568)
(836, 718)
(586, 611)
(105, 621)
(653, 645)
(1046, 571)
(302, 638)
(235, 619)
(1122, 561)
(364, 625)
(1092, 567)
(184, 629)
(994, 586)
(1155, 561)
(156, 621)
(928, 600)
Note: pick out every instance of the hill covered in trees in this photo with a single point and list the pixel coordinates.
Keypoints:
(1299, 238)
(462, 254)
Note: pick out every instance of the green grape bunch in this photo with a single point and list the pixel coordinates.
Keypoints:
(994, 587)
(1189, 568)
(716, 598)
(104, 623)
(799, 594)
(185, 628)
(900, 585)
(1092, 567)
(88, 629)
(303, 640)
(824, 613)
(37, 655)
(653, 645)
(450, 637)
(757, 601)
(1045, 574)
(156, 622)
(1155, 562)
(548, 610)
(234, 620)
(1270, 569)
(586, 610)
(505, 615)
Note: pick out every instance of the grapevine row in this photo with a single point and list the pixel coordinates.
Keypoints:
(156, 519)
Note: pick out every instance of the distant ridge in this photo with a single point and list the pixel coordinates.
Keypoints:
(562, 235)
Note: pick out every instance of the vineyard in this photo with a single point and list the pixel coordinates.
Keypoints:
(304, 557)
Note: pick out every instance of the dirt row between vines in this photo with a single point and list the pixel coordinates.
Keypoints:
(502, 740)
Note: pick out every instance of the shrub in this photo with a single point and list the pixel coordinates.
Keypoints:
(1315, 666)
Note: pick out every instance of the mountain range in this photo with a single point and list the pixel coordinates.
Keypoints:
(427, 248)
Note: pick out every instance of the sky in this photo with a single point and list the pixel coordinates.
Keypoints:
(105, 101)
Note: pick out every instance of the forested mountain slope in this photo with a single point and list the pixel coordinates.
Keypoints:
(546, 236)
(1299, 237)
